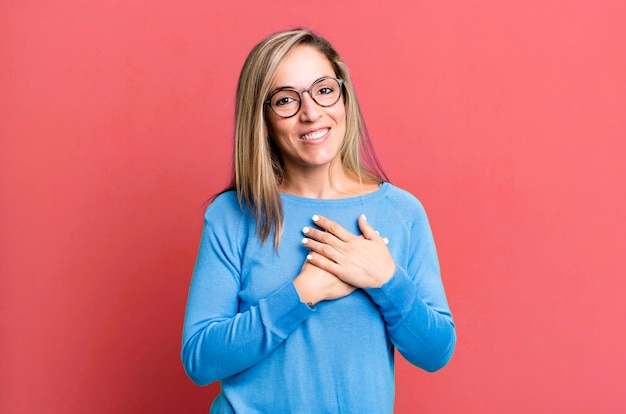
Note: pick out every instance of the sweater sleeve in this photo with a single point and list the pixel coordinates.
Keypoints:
(219, 340)
(413, 302)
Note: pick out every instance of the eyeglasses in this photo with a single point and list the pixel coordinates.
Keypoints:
(286, 102)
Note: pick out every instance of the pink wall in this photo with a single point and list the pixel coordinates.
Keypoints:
(507, 119)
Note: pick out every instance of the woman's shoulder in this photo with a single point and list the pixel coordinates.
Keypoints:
(401, 197)
(402, 207)
(225, 207)
(225, 199)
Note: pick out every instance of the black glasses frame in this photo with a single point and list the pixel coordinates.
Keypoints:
(268, 101)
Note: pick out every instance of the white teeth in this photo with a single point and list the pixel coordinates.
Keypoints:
(315, 135)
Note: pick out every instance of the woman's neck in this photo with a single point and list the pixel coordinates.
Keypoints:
(324, 184)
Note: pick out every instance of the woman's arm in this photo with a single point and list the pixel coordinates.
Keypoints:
(410, 297)
(218, 340)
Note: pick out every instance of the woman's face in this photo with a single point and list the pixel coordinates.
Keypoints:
(310, 140)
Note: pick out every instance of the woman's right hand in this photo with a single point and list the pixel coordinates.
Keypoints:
(316, 285)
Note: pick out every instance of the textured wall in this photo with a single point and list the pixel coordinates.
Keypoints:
(507, 119)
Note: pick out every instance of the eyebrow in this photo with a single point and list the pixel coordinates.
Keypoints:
(282, 88)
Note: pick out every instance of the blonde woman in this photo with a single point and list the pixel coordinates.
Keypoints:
(312, 267)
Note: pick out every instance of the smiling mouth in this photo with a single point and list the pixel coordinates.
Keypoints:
(315, 135)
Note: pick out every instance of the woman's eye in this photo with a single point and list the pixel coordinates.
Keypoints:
(325, 90)
(285, 100)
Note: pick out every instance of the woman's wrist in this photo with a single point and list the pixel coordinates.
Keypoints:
(305, 291)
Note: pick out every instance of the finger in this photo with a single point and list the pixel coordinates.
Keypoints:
(322, 249)
(322, 237)
(332, 227)
(366, 228)
(322, 262)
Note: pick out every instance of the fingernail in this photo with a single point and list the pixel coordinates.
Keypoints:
(377, 232)
(386, 240)
(306, 230)
(305, 240)
(309, 257)
(364, 218)
(316, 217)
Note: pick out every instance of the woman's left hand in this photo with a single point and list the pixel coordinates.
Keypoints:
(361, 261)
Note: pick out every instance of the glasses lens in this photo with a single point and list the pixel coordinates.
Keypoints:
(285, 103)
(326, 92)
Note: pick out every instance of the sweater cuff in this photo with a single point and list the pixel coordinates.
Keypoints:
(283, 311)
(396, 297)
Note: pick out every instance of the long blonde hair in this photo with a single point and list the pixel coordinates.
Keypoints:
(258, 169)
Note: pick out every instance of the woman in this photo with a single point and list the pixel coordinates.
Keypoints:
(308, 322)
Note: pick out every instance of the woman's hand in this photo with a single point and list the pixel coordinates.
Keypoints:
(315, 285)
(361, 261)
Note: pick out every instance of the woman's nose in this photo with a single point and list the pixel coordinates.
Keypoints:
(309, 110)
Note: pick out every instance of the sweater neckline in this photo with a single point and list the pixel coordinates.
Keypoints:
(353, 200)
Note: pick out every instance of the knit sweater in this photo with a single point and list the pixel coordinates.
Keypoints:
(246, 326)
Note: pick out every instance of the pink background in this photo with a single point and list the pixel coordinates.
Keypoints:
(506, 118)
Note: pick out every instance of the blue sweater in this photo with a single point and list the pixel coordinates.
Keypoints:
(245, 324)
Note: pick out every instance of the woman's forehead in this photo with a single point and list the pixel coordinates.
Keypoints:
(301, 67)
